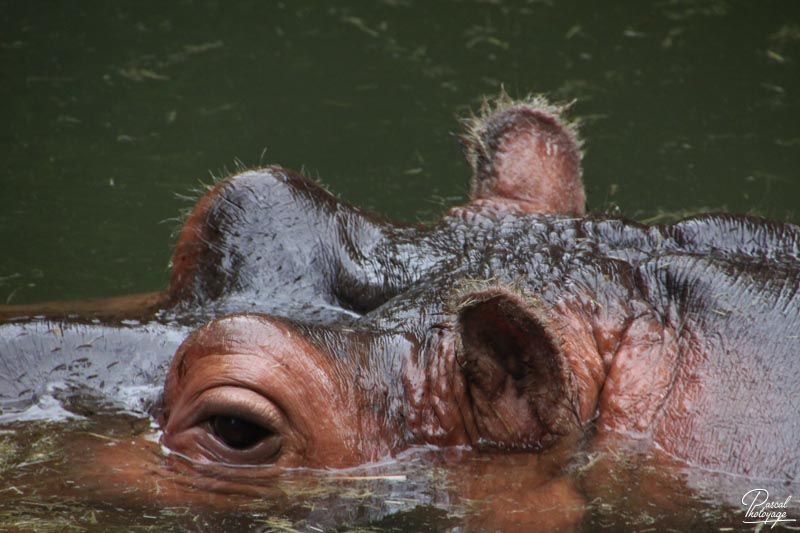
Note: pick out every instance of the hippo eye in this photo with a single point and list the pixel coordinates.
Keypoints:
(229, 426)
(237, 433)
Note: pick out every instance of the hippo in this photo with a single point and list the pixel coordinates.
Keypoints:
(298, 331)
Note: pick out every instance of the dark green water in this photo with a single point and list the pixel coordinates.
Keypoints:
(113, 111)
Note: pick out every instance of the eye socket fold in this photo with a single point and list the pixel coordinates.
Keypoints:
(237, 433)
(229, 425)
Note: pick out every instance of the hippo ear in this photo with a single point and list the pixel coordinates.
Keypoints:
(525, 155)
(518, 377)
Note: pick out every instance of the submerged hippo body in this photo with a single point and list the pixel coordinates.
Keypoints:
(333, 338)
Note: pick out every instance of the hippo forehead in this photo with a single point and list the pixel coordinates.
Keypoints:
(725, 236)
(543, 244)
(272, 241)
(550, 256)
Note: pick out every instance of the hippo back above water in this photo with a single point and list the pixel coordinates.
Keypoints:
(331, 337)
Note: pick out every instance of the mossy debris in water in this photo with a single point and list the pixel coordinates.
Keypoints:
(24, 446)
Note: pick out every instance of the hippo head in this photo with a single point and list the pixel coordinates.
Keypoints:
(410, 357)
(262, 391)
(514, 323)
(338, 338)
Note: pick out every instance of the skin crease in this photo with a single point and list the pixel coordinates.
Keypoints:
(514, 328)
(261, 361)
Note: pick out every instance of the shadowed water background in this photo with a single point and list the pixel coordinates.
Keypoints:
(114, 114)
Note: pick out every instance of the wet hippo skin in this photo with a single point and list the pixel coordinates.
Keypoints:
(308, 333)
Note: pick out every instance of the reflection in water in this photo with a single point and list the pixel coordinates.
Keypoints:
(109, 470)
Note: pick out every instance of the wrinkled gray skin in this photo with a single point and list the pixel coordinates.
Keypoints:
(273, 242)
